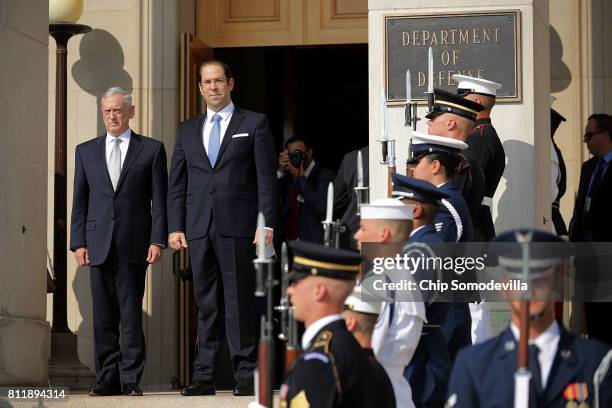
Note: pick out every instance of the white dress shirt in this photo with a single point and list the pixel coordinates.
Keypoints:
(547, 342)
(314, 328)
(396, 337)
(123, 147)
(226, 114)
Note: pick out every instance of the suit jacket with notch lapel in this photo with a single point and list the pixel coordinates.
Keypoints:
(242, 182)
(134, 214)
(601, 200)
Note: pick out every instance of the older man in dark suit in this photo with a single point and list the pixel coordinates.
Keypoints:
(223, 172)
(118, 228)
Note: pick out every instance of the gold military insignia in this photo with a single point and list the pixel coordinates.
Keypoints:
(323, 340)
(299, 401)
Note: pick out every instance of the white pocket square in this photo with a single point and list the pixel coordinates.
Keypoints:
(240, 135)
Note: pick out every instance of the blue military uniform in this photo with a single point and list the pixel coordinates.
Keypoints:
(566, 370)
(429, 370)
(426, 234)
(454, 224)
(453, 221)
(483, 375)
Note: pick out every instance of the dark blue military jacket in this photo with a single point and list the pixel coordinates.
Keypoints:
(333, 372)
(453, 221)
(483, 375)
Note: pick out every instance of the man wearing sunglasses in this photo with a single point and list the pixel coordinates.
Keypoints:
(592, 219)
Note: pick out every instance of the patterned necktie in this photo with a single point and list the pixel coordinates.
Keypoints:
(215, 140)
(114, 163)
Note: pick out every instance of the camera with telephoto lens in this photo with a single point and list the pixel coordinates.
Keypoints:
(296, 157)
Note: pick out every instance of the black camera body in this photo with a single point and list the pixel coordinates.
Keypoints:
(296, 157)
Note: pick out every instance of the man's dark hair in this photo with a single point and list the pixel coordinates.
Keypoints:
(295, 139)
(226, 68)
(603, 122)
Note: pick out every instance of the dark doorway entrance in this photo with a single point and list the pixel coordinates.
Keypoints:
(320, 92)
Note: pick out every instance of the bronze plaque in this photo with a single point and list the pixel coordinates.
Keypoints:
(485, 45)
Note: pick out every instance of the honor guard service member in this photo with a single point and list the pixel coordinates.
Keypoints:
(484, 147)
(426, 199)
(567, 370)
(429, 370)
(453, 116)
(398, 329)
(434, 159)
(360, 316)
(333, 371)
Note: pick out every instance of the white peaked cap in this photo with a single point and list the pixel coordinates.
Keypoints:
(386, 209)
(418, 138)
(476, 85)
(356, 304)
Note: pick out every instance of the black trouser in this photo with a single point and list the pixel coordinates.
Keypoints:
(224, 287)
(117, 289)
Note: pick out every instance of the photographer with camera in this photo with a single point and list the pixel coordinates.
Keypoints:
(302, 188)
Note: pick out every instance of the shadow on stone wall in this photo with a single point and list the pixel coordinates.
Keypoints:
(518, 172)
(101, 66)
(560, 74)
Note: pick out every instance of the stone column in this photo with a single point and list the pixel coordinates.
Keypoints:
(24, 332)
(523, 197)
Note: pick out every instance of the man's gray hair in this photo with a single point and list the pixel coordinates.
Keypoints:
(113, 90)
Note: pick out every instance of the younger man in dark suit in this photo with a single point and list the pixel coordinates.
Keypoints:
(118, 228)
(222, 174)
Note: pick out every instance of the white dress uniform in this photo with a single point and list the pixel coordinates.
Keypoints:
(398, 329)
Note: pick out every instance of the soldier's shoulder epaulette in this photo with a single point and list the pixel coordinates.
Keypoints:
(323, 341)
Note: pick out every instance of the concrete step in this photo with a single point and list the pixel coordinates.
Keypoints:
(150, 399)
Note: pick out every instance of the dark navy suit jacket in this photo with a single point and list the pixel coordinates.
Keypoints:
(483, 375)
(242, 182)
(601, 218)
(134, 214)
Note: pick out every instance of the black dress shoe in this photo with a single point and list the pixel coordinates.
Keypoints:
(244, 388)
(199, 387)
(104, 390)
(132, 390)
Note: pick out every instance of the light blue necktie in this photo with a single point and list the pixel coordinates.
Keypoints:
(215, 140)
